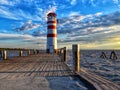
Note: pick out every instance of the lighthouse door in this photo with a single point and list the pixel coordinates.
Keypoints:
(52, 49)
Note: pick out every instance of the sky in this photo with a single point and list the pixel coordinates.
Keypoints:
(93, 24)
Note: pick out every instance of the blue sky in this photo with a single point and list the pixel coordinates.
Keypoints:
(94, 24)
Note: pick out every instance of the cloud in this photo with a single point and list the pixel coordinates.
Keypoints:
(90, 29)
(5, 13)
(14, 10)
(29, 25)
(3, 1)
(50, 9)
(8, 2)
(73, 2)
(88, 23)
(73, 14)
(116, 1)
(22, 41)
(39, 33)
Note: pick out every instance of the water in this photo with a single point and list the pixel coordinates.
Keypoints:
(13, 53)
(108, 68)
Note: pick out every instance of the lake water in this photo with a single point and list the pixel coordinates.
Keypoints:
(91, 60)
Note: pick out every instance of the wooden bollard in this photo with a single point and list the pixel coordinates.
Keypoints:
(64, 54)
(76, 57)
(21, 52)
(103, 55)
(60, 51)
(31, 52)
(4, 55)
(28, 52)
(0, 54)
(113, 55)
(34, 52)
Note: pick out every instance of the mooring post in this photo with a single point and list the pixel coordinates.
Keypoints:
(4, 54)
(76, 57)
(103, 55)
(113, 55)
(60, 51)
(0, 54)
(34, 51)
(28, 52)
(65, 54)
(20, 53)
(62, 54)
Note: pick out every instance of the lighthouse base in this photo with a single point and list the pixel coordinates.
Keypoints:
(52, 51)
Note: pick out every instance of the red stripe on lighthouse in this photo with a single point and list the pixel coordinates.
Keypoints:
(51, 27)
(51, 22)
(51, 35)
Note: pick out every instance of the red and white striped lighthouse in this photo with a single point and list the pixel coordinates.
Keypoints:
(51, 33)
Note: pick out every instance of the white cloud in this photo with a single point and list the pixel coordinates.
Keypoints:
(19, 14)
(96, 27)
(4, 1)
(51, 9)
(21, 41)
(24, 37)
(7, 14)
(73, 14)
(9, 3)
(73, 2)
(29, 25)
(116, 1)
(98, 14)
(29, 22)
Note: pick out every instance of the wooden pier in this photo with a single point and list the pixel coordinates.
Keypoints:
(38, 72)
(34, 65)
(42, 66)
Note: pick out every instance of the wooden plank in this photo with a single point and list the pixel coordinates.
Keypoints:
(99, 82)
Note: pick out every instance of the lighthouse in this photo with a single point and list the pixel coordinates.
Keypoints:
(51, 33)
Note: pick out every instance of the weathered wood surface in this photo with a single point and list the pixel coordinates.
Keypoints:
(38, 72)
(99, 82)
(45, 65)
(34, 65)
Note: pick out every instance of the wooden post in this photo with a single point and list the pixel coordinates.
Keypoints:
(0, 54)
(103, 55)
(4, 55)
(113, 55)
(34, 52)
(76, 57)
(28, 52)
(31, 51)
(64, 54)
(21, 52)
(60, 51)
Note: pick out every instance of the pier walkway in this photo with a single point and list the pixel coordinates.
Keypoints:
(47, 72)
(38, 72)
